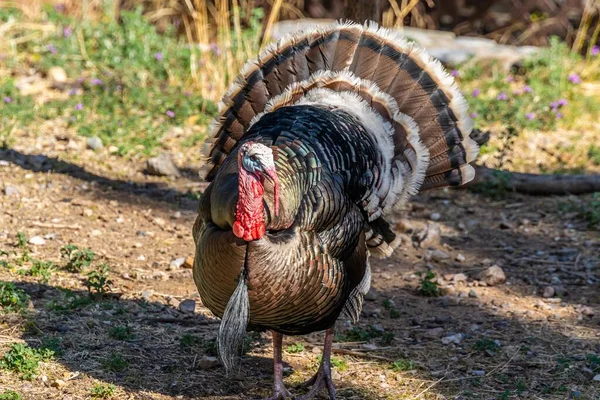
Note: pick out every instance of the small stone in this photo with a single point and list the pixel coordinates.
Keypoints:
(94, 143)
(4, 163)
(439, 255)
(478, 372)
(188, 263)
(57, 75)
(596, 378)
(459, 278)
(147, 294)
(456, 339)
(368, 346)
(435, 216)
(548, 292)
(473, 294)
(162, 165)
(587, 311)
(176, 263)
(493, 276)
(173, 302)
(57, 383)
(460, 258)
(37, 241)
(159, 221)
(112, 149)
(207, 362)
(87, 212)
(428, 237)
(434, 333)
(141, 257)
(316, 350)
(448, 290)
(371, 295)
(10, 190)
(96, 232)
(187, 306)
(120, 220)
(176, 215)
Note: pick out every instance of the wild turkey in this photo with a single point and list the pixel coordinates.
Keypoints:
(319, 140)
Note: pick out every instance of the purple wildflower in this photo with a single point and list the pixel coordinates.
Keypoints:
(502, 96)
(475, 92)
(510, 78)
(595, 50)
(170, 114)
(559, 115)
(554, 105)
(158, 56)
(530, 116)
(97, 81)
(527, 89)
(72, 92)
(574, 78)
(454, 73)
(51, 49)
(7, 99)
(79, 106)
(474, 115)
(562, 102)
(67, 31)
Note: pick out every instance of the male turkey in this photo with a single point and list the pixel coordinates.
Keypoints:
(319, 140)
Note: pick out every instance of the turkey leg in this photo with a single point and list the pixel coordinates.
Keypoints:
(279, 390)
(322, 379)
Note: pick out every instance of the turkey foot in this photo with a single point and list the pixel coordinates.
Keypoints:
(279, 390)
(322, 379)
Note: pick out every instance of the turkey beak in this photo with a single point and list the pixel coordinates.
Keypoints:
(271, 174)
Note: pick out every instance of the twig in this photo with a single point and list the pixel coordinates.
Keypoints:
(55, 226)
(361, 355)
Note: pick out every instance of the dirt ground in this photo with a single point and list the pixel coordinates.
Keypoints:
(475, 342)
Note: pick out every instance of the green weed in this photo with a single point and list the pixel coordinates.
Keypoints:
(402, 365)
(68, 301)
(114, 363)
(487, 346)
(12, 299)
(295, 348)
(77, 259)
(10, 395)
(339, 363)
(587, 210)
(123, 332)
(41, 269)
(99, 391)
(24, 360)
(427, 287)
(98, 281)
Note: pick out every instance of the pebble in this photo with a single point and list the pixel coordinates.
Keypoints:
(493, 276)
(87, 212)
(57, 383)
(587, 311)
(478, 372)
(429, 237)
(10, 190)
(120, 220)
(368, 346)
(187, 306)
(37, 241)
(94, 143)
(459, 278)
(434, 333)
(316, 350)
(4, 163)
(460, 258)
(548, 292)
(473, 294)
(113, 149)
(456, 339)
(448, 290)
(176, 263)
(162, 165)
(439, 255)
(371, 295)
(57, 75)
(596, 378)
(207, 362)
(435, 216)
(147, 294)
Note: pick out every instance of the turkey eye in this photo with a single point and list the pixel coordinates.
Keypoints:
(253, 158)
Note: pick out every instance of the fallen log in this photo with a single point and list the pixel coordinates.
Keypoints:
(535, 184)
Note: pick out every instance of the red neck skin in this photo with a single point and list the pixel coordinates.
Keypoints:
(249, 219)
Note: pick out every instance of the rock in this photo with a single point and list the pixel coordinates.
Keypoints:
(478, 372)
(459, 278)
(434, 333)
(596, 378)
(428, 237)
(87, 212)
(112, 149)
(10, 190)
(435, 216)
(176, 263)
(162, 165)
(473, 294)
(316, 350)
(448, 290)
(460, 258)
(188, 263)
(493, 276)
(147, 294)
(439, 255)
(207, 362)
(368, 346)
(57, 383)
(57, 76)
(187, 306)
(587, 311)
(94, 143)
(371, 295)
(37, 241)
(548, 292)
(456, 339)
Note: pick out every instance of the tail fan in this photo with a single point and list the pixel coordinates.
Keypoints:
(397, 79)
